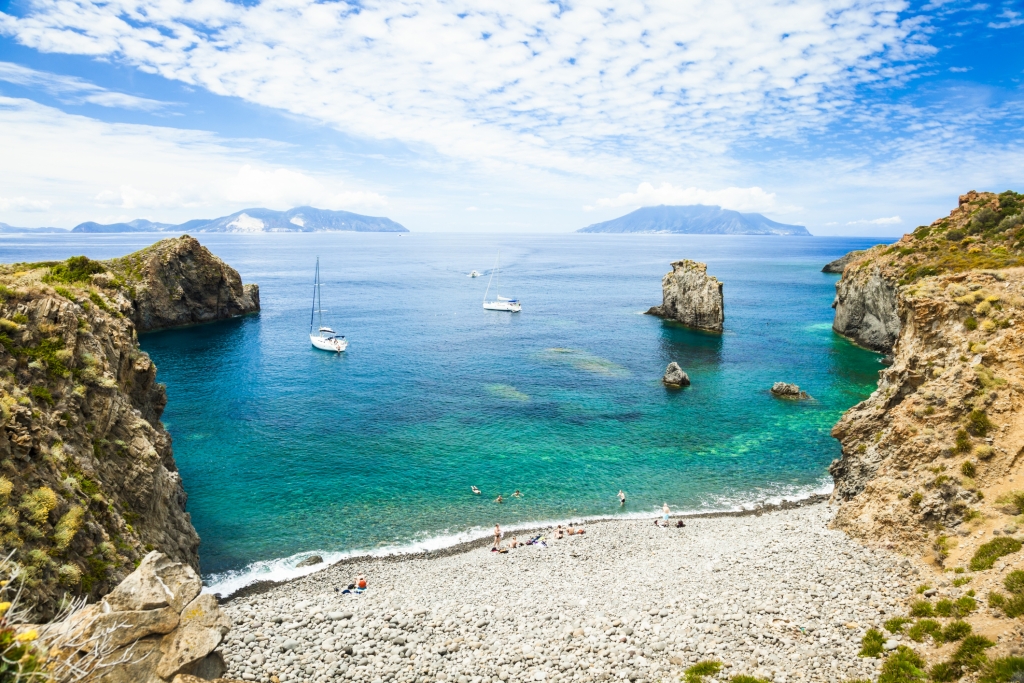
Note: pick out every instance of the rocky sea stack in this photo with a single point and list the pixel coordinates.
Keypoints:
(788, 391)
(692, 297)
(675, 377)
(88, 482)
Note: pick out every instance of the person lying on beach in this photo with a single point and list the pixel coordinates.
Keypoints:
(476, 491)
(499, 499)
(570, 530)
(357, 586)
(680, 524)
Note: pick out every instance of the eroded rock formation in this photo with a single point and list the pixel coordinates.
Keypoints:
(88, 482)
(840, 263)
(935, 443)
(179, 282)
(154, 627)
(788, 391)
(675, 377)
(692, 297)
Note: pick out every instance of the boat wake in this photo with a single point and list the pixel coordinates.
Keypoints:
(286, 568)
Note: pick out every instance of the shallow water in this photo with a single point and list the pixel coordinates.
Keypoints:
(285, 449)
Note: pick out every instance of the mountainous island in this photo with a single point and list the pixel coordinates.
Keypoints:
(299, 219)
(695, 220)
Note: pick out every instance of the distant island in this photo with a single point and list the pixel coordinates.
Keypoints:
(300, 219)
(695, 220)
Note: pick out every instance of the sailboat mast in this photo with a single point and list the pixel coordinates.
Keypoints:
(316, 289)
(319, 300)
(497, 277)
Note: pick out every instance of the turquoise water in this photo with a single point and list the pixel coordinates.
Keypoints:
(286, 450)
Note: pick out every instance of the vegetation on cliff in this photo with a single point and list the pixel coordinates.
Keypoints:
(88, 483)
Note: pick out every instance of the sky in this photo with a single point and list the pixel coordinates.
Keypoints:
(851, 117)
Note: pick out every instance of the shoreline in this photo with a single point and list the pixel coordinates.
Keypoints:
(772, 592)
(263, 586)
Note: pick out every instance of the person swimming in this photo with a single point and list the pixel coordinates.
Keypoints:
(517, 494)
(475, 490)
(499, 499)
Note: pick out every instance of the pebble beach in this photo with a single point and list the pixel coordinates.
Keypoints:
(777, 595)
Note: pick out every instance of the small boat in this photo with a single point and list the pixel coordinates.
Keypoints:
(499, 303)
(324, 338)
(473, 273)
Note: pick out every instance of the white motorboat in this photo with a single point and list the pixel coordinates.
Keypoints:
(324, 338)
(499, 303)
(474, 274)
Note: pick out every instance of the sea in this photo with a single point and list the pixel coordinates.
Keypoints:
(286, 451)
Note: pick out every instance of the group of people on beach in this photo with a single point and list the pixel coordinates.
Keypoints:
(541, 540)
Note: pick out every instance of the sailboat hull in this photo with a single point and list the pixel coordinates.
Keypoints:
(328, 343)
(510, 306)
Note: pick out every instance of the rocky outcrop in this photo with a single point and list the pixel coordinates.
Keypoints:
(788, 391)
(865, 306)
(692, 297)
(88, 482)
(840, 263)
(179, 282)
(937, 440)
(155, 627)
(675, 377)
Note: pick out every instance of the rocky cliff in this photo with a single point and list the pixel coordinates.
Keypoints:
(692, 297)
(88, 482)
(934, 446)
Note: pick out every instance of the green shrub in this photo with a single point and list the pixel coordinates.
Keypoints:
(971, 323)
(75, 269)
(945, 672)
(968, 469)
(971, 653)
(871, 645)
(978, 423)
(924, 627)
(697, 672)
(896, 624)
(961, 580)
(922, 588)
(987, 554)
(997, 600)
(956, 630)
(743, 678)
(1014, 499)
(902, 666)
(67, 527)
(963, 441)
(955, 235)
(1014, 581)
(42, 393)
(1003, 670)
(921, 608)
(915, 500)
(39, 504)
(1014, 607)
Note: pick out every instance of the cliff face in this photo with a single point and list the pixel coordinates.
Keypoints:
(179, 282)
(88, 482)
(692, 297)
(865, 306)
(934, 446)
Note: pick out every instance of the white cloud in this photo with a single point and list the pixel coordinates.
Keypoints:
(23, 204)
(70, 90)
(578, 87)
(735, 198)
(77, 167)
(891, 220)
(284, 188)
(1011, 19)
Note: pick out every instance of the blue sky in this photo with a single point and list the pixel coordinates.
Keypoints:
(852, 117)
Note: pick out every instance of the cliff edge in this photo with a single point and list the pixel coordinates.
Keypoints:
(88, 482)
(692, 297)
(933, 448)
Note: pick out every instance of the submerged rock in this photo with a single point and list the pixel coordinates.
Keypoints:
(786, 390)
(674, 377)
(310, 561)
(692, 297)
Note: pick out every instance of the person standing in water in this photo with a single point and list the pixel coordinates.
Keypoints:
(622, 497)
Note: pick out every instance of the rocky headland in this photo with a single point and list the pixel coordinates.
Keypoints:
(839, 265)
(88, 482)
(692, 297)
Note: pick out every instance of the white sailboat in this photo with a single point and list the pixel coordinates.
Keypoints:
(500, 303)
(324, 338)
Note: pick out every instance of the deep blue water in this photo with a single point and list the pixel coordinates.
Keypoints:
(284, 449)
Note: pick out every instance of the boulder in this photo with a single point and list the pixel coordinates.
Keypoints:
(692, 297)
(674, 377)
(786, 390)
(154, 627)
(311, 561)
